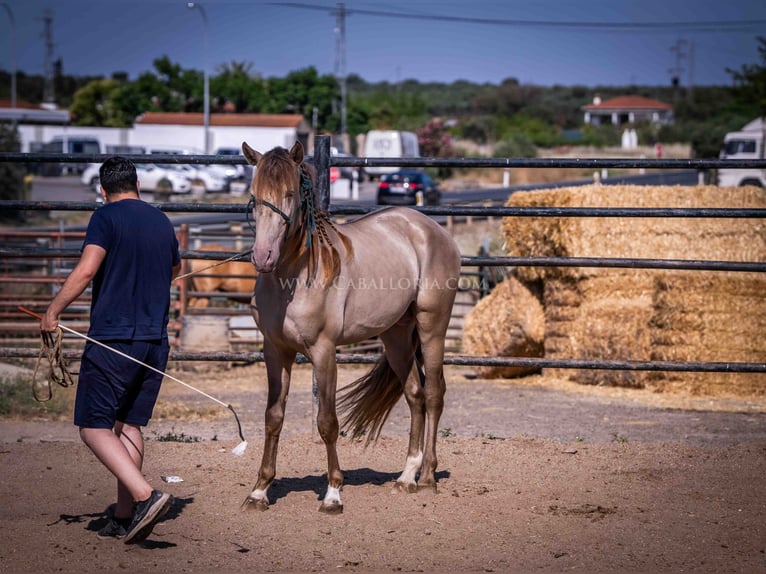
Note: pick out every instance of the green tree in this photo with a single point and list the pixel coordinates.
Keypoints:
(96, 105)
(237, 84)
(11, 175)
(302, 91)
(750, 82)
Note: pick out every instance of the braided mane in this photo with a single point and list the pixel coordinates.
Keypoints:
(311, 230)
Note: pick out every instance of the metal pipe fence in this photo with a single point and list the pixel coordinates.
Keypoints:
(323, 160)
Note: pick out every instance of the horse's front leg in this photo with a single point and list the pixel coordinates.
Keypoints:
(278, 368)
(325, 377)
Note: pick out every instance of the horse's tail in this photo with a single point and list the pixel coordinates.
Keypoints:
(367, 402)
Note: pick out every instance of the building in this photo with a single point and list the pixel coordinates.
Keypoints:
(627, 110)
(38, 126)
(260, 131)
(32, 114)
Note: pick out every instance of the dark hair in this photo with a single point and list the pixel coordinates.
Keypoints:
(118, 175)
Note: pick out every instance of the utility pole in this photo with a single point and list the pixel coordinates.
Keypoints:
(676, 70)
(691, 70)
(49, 93)
(340, 68)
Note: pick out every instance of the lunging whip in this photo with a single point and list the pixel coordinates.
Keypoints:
(236, 451)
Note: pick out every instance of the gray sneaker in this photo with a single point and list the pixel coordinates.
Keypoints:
(115, 528)
(146, 514)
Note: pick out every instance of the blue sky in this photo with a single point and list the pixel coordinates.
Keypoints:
(426, 40)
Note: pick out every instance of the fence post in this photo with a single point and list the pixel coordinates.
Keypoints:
(322, 164)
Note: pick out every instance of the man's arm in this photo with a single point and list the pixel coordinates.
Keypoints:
(75, 284)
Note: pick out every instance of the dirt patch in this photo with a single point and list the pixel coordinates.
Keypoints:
(533, 474)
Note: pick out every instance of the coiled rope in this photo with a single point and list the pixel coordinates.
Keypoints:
(57, 371)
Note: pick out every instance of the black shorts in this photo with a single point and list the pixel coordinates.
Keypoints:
(111, 388)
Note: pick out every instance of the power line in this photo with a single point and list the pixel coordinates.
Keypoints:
(690, 26)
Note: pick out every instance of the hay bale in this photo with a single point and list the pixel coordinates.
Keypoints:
(508, 322)
(717, 317)
(666, 238)
(643, 314)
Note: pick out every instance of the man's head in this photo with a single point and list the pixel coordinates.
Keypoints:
(118, 175)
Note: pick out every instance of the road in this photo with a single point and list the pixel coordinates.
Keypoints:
(69, 188)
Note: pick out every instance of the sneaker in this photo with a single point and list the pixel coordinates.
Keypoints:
(146, 514)
(115, 528)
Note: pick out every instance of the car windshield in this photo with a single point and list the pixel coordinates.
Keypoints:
(733, 147)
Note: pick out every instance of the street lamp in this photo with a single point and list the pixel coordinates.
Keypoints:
(206, 101)
(13, 49)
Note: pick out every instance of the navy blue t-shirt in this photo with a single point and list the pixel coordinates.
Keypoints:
(131, 290)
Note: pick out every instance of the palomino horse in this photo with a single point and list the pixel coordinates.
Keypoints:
(235, 277)
(391, 273)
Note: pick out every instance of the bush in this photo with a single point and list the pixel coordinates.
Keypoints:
(515, 146)
(11, 176)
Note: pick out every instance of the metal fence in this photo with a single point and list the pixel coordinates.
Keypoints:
(323, 161)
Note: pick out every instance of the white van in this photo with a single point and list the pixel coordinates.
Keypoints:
(389, 144)
(745, 144)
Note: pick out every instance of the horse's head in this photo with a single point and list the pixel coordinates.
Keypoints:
(277, 191)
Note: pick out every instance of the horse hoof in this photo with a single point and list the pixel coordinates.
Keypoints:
(251, 503)
(333, 508)
(406, 487)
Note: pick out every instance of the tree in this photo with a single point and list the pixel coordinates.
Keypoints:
(302, 91)
(750, 82)
(11, 175)
(95, 105)
(235, 83)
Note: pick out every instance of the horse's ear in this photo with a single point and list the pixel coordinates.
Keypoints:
(253, 157)
(296, 152)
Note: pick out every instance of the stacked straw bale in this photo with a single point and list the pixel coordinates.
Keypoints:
(641, 314)
(509, 322)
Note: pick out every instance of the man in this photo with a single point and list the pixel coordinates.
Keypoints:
(131, 254)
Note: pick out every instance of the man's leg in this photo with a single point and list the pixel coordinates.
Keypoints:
(122, 461)
(133, 440)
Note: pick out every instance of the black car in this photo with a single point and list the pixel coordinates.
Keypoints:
(407, 187)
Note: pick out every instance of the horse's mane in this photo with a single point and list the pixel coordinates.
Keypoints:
(312, 230)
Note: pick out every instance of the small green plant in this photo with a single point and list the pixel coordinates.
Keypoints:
(446, 432)
(616, 437)
(172, 436)
(579, 438)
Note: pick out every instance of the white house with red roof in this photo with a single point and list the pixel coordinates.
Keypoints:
(627, 110)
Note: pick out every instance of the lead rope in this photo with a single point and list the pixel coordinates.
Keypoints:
(216, 264)
(58, 369)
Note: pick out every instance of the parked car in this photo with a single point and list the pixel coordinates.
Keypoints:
(209, 177)
(408, 187)
(243, 172)
(149, 176)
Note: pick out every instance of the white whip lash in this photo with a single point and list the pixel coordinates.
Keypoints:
(236, 451)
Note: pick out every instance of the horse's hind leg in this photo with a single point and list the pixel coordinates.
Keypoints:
(278, 369)
(431, 330)
(400, 352)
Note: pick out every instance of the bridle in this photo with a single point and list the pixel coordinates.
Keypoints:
(306, 201)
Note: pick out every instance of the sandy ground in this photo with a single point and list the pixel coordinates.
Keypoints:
(534, 474)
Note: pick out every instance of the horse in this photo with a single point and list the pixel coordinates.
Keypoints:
(234, 277)
(392, 273)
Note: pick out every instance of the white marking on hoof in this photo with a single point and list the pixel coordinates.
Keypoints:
(411, 468)
(331, 503)
(257, 500)
(332, 498)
